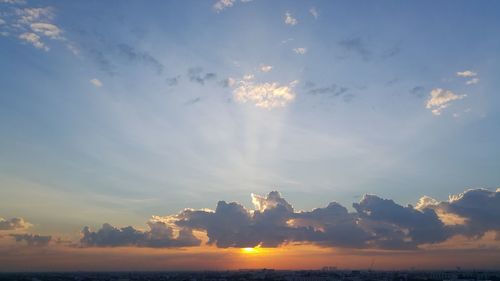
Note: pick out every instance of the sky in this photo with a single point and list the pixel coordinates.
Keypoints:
(177, 134)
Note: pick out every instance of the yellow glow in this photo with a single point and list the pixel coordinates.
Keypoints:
(250, 250)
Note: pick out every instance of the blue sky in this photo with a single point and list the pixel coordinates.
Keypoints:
(117, 111)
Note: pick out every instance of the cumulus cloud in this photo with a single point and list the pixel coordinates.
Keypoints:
(289, 19)
(32, 239)
(440, 99)
(472, 212)
(266, 95)
(300, 51)
(159, 235)
(376, 223)
(14, 224)
(96, 82)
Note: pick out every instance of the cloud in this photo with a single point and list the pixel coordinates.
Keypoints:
(417, 91)
(228, 82)
(15, 2)
(197, 75)
(314, 12)
(265, 68)
(472, 212)
(375, 223)
(266, 95)
(14, 224)
(332, 90)
(173, 81)
(440, 99)
(220, 5)
(289, 19)
(192, 101)
(32, 239)
(140, 56)
(159, 235)
(96, 82)
(469, 74)
(300, 51)
(472, 81)
(34, 25)
(357, 46)
(466, 73)
(396, 226)
(46, 29)
(33, 39)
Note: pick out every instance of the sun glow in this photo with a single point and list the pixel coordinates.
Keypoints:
(250, 250)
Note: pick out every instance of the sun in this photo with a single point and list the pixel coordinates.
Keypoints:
(250, 250)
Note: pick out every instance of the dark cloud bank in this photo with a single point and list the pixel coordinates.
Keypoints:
(376, 223)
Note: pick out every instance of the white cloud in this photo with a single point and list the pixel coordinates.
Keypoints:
(248, 77)
(223, 4)
(46, 29)
(265, 68)
(289, 19)
(34, 40)
(96, 82)
(34, 25)
(440, 99)
(473, 81)
(30, 15)
(265, 95)
(20, 2)
(466, 73)
(314, 12)
(300, 51)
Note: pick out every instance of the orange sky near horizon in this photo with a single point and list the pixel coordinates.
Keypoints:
(58, 257)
